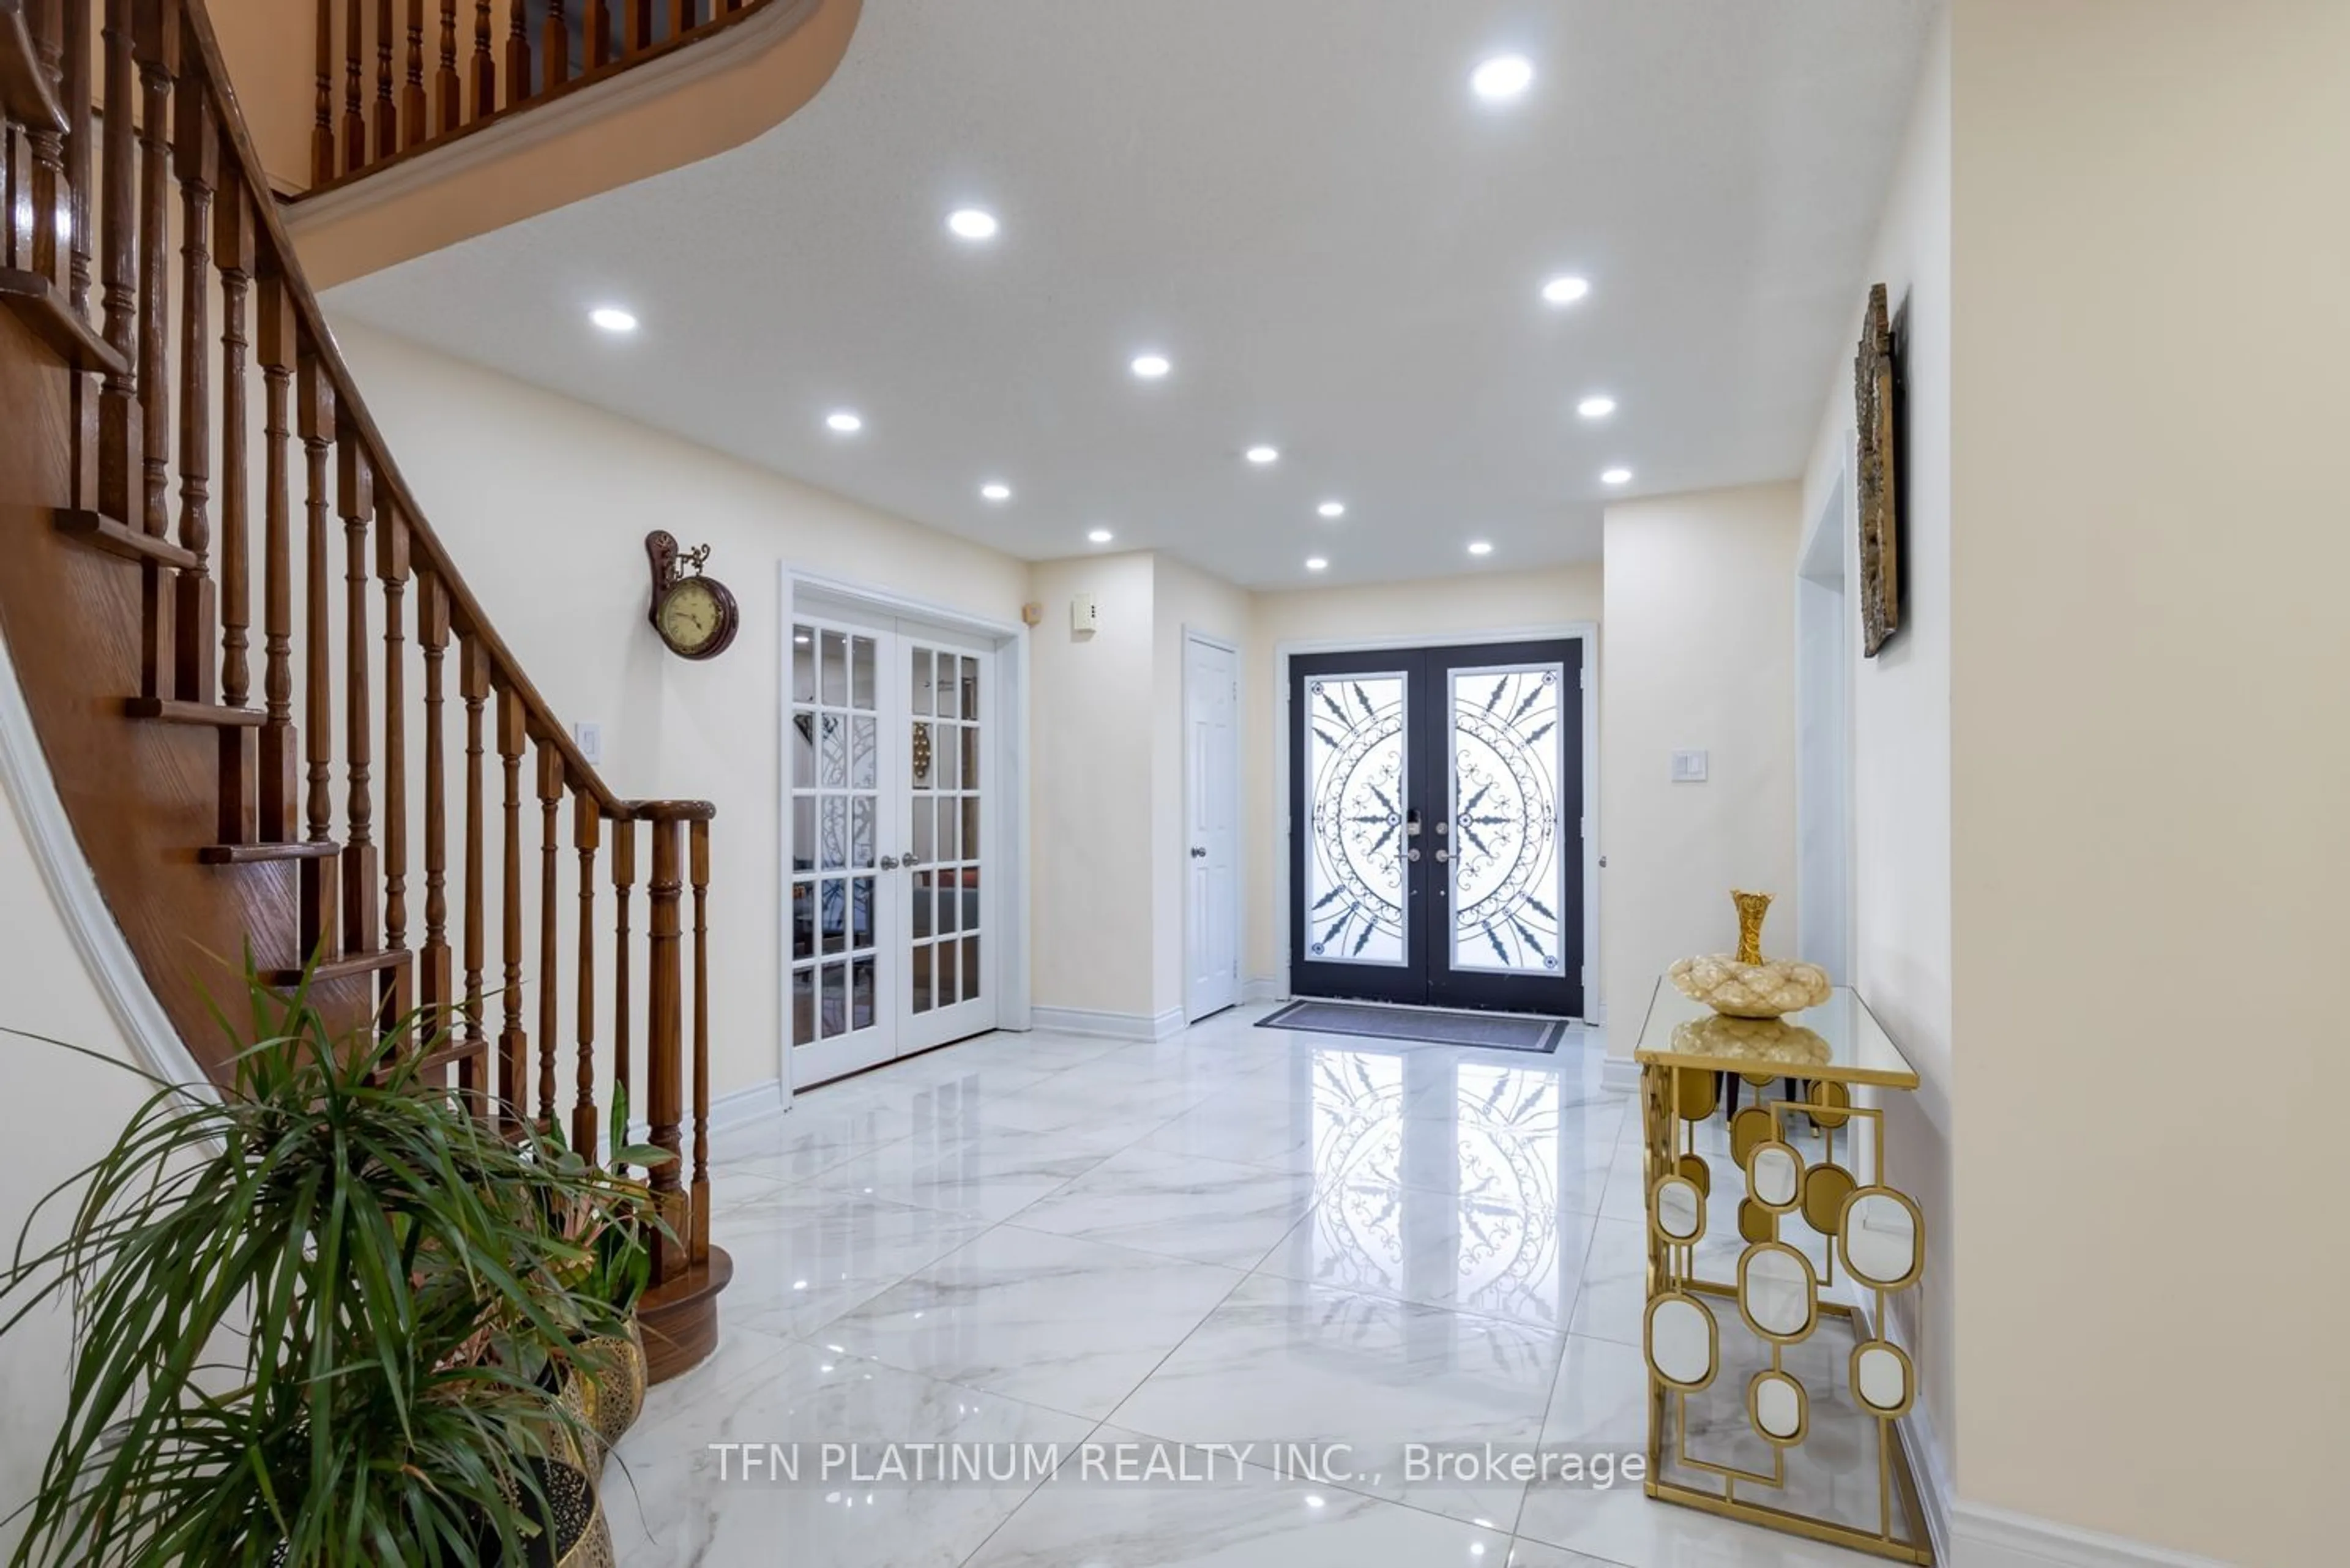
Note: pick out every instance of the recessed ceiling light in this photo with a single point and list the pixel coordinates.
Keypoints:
(995, 490)
(1502, 77)
(1566, 290)
(843, 421)
(1480, 546)
(1101, 535)
(1150, 367)
(1597, 407)
(1332, 509)
(1264, 454)
(1617, 476)
(972, 224)
(1317, 562)
(612, 318)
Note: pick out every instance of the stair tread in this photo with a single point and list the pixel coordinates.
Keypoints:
(172, 712)
(117, 537)
(263, 854)
(343, 967)
(44, 308)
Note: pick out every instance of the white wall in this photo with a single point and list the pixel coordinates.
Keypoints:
(1698, 652)
(1094, 728)
(2151, 733)
(1901, 726)
(1435, 608)
(543, 504)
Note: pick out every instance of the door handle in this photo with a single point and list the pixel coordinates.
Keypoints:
(1413, 853)
(1442, 856)
(909, 862)
(888, 862)
(1198, 852)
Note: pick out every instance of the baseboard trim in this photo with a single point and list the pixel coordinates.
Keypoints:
(1097, 1025)
(747, 1105)
(1262, 988)
(1983, 1536)
(1619, 1075)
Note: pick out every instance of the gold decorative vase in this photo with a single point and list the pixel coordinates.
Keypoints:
(1750, 985)
(607, 1388)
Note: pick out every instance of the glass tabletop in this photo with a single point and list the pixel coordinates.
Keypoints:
(1839, 1041)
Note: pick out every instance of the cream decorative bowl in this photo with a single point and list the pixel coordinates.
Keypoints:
(1764, 990)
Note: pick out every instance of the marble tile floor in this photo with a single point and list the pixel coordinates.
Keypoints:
(1053, 1246)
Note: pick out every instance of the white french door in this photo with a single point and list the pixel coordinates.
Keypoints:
(890, 763)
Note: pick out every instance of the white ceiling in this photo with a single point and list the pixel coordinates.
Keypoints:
(1302, 203)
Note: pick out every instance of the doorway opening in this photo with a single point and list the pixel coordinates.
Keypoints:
(1824, 628)
(1438, 850)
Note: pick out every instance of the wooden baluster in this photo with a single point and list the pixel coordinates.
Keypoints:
(600, 35)
(698, 839)
(414, 127)
(362, 915)
(278, 790)
(195, 619)
(157, 36)
(664, 1052)
(684, 15)
(587, 826)
(474, 684)
(391, 566)
(321, 900)
(46, 146)
(354, 129)
(232, 243)
(118, 402)
(636, 23)
(518, 82)
(77, 88)
(550, 844)
(434, 977)
(555, 46)
(484, 65)
(624, 878)
(387, 112)
(446, 92)
(322, 126)
(514, 1040)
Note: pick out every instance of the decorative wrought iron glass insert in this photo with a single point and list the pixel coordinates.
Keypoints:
(1356, 763)
(1508, 882)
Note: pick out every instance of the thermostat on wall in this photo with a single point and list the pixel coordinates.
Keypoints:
(1084, 614)
(1688, 767)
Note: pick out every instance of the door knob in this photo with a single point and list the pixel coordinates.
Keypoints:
(1442, 856)
(1412, 853)
(889, 863)
(910, 861)
(1198, 852)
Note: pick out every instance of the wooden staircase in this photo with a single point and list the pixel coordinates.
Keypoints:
(281, 801)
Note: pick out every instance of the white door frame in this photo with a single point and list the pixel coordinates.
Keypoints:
(1240, 830)
(1586, 632)
(1006, 824)
(1826, 893)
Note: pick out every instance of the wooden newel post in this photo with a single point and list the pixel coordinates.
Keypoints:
(699, 839)
(665, 1049)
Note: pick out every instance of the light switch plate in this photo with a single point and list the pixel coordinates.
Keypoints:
(1085, 616)
(589, 739)
(1688, 767)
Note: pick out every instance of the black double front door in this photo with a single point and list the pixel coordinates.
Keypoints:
(1436, 843)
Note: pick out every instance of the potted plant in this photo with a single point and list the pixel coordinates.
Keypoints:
(608, 1373)
(321, 1317)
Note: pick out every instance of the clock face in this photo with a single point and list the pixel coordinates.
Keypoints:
(690, 615)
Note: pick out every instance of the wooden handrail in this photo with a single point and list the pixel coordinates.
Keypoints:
(510, 71)
(130, 159)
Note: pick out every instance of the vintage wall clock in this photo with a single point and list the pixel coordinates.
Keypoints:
(695, 615)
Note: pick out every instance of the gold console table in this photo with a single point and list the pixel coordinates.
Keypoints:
(1767, 1401)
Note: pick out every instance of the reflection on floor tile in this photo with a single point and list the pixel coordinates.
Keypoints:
(1235, 1236)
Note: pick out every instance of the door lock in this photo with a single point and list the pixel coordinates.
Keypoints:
(1413, 853)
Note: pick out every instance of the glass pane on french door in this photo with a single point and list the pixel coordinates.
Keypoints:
(1508, 894)
(1356, 785)
(834, 737)
(946, 987)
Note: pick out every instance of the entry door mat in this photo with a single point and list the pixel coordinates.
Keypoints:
(1421, 1025)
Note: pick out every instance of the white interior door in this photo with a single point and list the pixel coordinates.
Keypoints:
(841, 903)
(892, 759)
(1212, 821)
